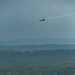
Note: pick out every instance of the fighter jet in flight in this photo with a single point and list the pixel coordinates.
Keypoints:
(42, 19)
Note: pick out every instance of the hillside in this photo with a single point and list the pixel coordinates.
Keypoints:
(52, 56)
(38, 47)
(38, 41)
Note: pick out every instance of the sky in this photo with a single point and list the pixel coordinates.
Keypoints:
(19, 19)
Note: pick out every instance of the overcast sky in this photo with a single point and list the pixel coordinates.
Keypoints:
(19, 19)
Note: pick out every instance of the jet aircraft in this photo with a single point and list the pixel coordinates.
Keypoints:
(42, 19)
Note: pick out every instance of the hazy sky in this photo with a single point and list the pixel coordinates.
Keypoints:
(20, 19)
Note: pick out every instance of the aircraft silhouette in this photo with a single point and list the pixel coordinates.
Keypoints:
(42, 19)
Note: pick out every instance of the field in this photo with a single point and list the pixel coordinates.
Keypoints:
(38, 69)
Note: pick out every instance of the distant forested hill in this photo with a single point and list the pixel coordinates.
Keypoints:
(52, 56)
(38, 47)
(38, 41)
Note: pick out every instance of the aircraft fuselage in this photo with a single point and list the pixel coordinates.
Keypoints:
(42, 19)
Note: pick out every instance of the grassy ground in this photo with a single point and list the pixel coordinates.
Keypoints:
(38, 69)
